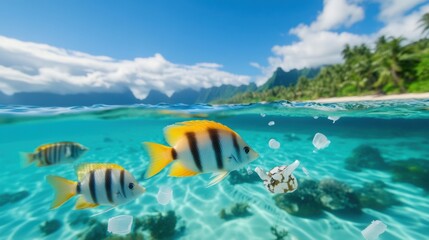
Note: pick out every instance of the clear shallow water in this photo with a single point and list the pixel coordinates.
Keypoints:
(398, 129)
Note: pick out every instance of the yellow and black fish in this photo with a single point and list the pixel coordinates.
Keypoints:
(98, 184)
(54, 153)
(199, 146)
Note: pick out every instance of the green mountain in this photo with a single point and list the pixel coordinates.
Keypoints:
(207, 95)
(286, 79)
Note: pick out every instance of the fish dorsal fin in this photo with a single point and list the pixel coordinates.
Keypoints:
(175, 132)
(84, 168)
(180, 170)
(43, 147)
(81, 203)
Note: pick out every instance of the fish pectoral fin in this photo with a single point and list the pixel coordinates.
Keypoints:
(83, 204)
(217, 177)
(180, 170)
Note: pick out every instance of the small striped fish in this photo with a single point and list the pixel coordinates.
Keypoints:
(199, 147)
(98, 184)
(54, 153)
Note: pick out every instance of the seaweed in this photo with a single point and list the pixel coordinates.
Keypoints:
(338, 196)
(160, 226)
(373, 195)
(241, 176)
(238, 210)
(413, 171)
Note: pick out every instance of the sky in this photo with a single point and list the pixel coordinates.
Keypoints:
(168, 45)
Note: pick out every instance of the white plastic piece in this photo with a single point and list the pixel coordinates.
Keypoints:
(261, 173)
(374, 230)
(120, 224)
(289, 170)
(263, 115)
(165, 194)
(316, 117)
(274, 144)
(333, 118)
(271, 123)
(249, 170)
(320, 141)
(305, 171)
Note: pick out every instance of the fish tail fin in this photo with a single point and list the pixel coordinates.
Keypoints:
(160, 157)
(64, 189)
(27, 159)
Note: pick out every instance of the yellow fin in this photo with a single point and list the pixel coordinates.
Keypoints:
(64, 189)
(27, 159)
(217, 177)
(84, 168)
(175, 132)
(160, 156)
(180, 170)
(81, 203)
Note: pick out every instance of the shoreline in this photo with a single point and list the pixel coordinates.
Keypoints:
(373, 98)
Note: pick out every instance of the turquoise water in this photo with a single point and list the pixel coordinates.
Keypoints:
(399, 130)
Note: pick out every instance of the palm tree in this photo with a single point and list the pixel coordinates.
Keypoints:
(424, 23)
(387, 60)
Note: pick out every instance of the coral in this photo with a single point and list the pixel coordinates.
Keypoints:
(160, 226)
(304, 202)
(237, 210)
(130, 236)
(241, 176)
(78, 217)
(365, 156)
(97, 230)
(373, 195)
(50, 226)
(414, 171)
(337, 196)
(279, 234)
(6, 198)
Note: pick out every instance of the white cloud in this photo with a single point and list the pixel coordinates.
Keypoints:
(321, 43)
(27, 66)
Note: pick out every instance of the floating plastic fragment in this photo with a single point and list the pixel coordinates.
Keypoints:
(374, 230)
(249, 170)
(320, 141)
(263, 114)
(333, 118)
(120, 224)
(279, 179)
(271, 123)
(316, 117)
(273, 144)
(305, 171)
(165, 194)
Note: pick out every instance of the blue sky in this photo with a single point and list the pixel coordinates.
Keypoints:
(226, 39)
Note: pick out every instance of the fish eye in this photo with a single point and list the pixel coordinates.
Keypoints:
(131, 185)
(246, 149)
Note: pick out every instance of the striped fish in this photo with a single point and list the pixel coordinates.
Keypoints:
(98, 184)
(54, 153)
(199, 147)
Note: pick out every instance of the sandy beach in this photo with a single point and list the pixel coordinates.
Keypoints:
(373, 98)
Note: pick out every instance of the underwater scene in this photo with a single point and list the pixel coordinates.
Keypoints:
(283, 170)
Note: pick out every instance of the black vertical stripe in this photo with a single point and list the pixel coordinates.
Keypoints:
(122, 182)
(193, 145)
(78, 188)
(56, 151)
(45, 154)
(214, 137)
(173, 153)
(236, 146)
(108, 183)
(92, 187)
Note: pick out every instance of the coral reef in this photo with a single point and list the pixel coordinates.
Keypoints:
(413, 171)
(304, 202)
(365, 156)
(279, 234)
(238, 210)
(241, 176)
(160, 226)
(130, 236)
(97, 230)
(6, 198)
(337, 196)
(78, 217)
(50, 226)
(373, 195)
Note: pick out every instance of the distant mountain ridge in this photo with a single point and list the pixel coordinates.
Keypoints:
(186, 96)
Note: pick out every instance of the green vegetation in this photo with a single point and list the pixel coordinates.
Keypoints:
(390, 68)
